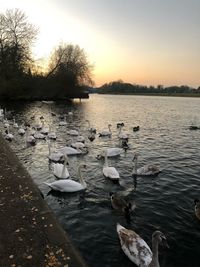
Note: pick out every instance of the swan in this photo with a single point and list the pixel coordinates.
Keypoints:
(110, 172)
(106, 132)
(121, 135)
(9, 136)
(73, 132)
(21, 131)
(68, 150)
(39, 135)
(119, 203)
(80, 138)
(45, 129)
(60, 170)
(91, 129)
(56, 157)
(15, 125)
(29, 138)
(137, 250)
(78, 145)
(197, 208)
(111, 152)
(68, 185)
(51, 135)
(146, 170)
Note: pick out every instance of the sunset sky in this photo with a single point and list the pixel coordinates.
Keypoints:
(146, 42)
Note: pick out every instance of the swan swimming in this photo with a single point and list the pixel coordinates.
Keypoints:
(137, 250)
(146, 170)
(60, 170)
(55, 156)
(106, 132)
(68, 185)
(110, 172)
(111, 152)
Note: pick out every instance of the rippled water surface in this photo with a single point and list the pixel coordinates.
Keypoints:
(164, 202)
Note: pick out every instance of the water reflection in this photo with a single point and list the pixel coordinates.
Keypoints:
(164, 202)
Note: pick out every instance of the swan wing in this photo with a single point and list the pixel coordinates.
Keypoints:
(69, 150)
(59, 172)
(135, 248)
(114, 151)
(148, 170)
(111, 172)
(66, 186)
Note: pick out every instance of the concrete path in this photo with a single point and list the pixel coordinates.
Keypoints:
(30, 235)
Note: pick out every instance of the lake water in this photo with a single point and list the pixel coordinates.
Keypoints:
(164, 202)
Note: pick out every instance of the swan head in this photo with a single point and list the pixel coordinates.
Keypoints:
(159, 237)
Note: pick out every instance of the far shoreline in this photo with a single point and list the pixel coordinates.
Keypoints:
(155, 94)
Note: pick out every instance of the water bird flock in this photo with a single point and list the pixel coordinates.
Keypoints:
(131, 243)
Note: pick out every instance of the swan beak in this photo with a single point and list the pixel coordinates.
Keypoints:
(164, 241)
(84, 166)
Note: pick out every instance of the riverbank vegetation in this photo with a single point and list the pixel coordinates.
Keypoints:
(68, 73)
(120, 87)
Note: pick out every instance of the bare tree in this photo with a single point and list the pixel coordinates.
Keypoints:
(69, 64)
(16, 38)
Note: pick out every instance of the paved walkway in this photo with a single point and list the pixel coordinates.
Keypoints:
(30, 235)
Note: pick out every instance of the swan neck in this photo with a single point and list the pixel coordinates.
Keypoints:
(155, 251)
(109, 128)
(106, 160)
(81, 180)
(49, 146)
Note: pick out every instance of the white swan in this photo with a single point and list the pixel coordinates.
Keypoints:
(68, 150)
(146, 170)
(29, 138)
(73, 132)
(60, 170)
(51, 135)
(122, 135)
(78, 145)
(55, 156)
(110, 172)
(80, 138)
(45, 129)
(106, 132)
(137, 250)
(111, 152)
(9, 136)
(69, 185)
(38, 135)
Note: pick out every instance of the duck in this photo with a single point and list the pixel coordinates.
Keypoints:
(146, 170)
(68, 185)
(91, 129)
(60, 170)
(137, 250)
(110, 172)
(106, 132)
(197, 208)
(120, 124)
(119, 203)
(136, 128)
(91, 137)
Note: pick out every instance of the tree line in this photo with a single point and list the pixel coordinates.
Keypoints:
(120, 87)
(67, 75)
